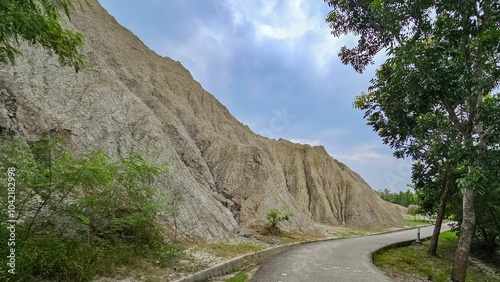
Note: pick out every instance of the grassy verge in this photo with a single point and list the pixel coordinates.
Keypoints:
(414, 262)
(225, 250)
(57, 258)
(351, 232)
(242, 277)
(290, 238)
(412, 222)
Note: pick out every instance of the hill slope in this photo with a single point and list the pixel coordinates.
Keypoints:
(223, 177)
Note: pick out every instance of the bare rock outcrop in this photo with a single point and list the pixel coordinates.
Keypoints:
(222, 175)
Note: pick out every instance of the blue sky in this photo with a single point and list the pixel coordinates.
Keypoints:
(274, 65)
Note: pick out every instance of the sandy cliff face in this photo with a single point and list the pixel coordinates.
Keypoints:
(222, 175)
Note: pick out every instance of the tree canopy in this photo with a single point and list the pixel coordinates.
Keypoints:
(38, 22)
(434, 98)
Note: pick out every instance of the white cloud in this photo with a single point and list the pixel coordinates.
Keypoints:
(325, 50)
(372, 161)
(268, 7)
(365, 157)
(379, 168)
(335, 135)
(289, 22)
(306, 141)
(364, 154)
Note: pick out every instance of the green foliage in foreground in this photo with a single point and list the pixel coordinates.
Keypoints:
(79, 216)
(413, 260)
(39, 23)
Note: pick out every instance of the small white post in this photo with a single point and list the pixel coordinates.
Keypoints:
(418, 236)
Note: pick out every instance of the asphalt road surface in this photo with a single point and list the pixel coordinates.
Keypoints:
(346, 260)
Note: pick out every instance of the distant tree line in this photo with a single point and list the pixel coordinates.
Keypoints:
(403, 198)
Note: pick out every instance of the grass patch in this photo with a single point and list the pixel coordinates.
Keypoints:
(225, 250)
(414, 261)
(289, 238)
(412, 222)
(242, 277)
(53, 258)
(351, 232)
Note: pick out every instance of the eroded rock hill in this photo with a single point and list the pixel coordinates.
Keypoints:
(223, 177)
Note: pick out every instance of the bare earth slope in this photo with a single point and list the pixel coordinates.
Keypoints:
(222, 175)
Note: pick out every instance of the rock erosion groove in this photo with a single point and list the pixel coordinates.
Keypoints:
(223, 176)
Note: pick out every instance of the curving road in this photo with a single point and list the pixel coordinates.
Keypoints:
(336, 260)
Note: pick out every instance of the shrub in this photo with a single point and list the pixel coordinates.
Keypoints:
(80, 215)
(413, 210)
(274, 217)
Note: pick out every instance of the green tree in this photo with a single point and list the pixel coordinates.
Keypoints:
(38, 22)
(442, 64)
(413, 210)
(434, 186)
(487, 182)
(403, 198)
(386, 195)
(433, 173)
(488, 226)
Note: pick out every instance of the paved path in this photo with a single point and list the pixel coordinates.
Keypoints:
(336, 260)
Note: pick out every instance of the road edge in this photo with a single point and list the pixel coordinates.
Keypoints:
(237, 263)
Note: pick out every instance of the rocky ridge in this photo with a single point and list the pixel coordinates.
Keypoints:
(223, 177)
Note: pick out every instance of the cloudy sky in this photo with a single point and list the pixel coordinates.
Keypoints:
(274, 65)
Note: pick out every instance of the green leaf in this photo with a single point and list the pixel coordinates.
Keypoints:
(84, 219)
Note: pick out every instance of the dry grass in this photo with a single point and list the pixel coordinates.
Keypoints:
(225, 250)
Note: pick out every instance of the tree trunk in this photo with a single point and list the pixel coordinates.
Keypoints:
(466, 232)
(439, 220)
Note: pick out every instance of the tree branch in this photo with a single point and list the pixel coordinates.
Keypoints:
(453, 116)
(490, 131)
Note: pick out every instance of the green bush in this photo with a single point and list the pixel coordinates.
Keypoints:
(80, 216)
(241, 277)
(274, 217)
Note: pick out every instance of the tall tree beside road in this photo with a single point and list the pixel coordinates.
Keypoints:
(443, 65)
(434, 172)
